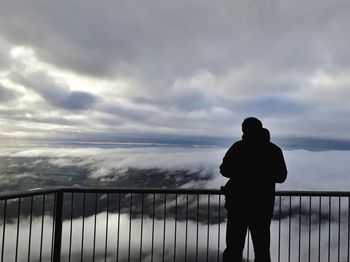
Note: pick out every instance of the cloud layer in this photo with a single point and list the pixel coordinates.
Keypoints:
(123, 71)
(199, 167)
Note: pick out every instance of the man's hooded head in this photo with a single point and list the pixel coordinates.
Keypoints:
(252, 127)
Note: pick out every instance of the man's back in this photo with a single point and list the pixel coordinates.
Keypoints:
(253, 166)
(249, 161)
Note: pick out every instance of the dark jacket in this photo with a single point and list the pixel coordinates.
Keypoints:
(253, 165)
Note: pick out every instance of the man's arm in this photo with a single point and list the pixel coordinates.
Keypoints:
(225, 166)
(280, 168)
(230, 162)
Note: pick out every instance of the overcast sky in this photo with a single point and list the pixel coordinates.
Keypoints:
(129, 70)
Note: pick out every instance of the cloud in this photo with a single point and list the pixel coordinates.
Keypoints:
(56, 93)
(189, 68)
(198, 166)
(6, 94)
(112, 37)
(137, 35)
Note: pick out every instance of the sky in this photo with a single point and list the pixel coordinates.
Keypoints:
(185, 71)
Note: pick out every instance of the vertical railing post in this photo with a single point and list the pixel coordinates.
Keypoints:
(58, 227)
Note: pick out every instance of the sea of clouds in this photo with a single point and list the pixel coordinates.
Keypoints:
(307, 170)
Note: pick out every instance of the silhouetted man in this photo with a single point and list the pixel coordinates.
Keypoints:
(254, 165)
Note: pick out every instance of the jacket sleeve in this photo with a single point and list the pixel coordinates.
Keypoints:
(280, 168)
(225, 167)
(229, 162)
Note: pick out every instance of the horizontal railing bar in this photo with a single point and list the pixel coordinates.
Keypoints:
(11, 195)
(143, 190)
(314, 193)
(194, 191)
(28, 193)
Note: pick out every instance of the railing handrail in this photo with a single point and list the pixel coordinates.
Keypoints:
(27, 193)
(41, 191)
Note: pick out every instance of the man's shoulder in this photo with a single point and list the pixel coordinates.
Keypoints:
(273, 146)
(237, 144)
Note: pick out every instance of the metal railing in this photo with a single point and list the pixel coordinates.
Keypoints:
(123, 224)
